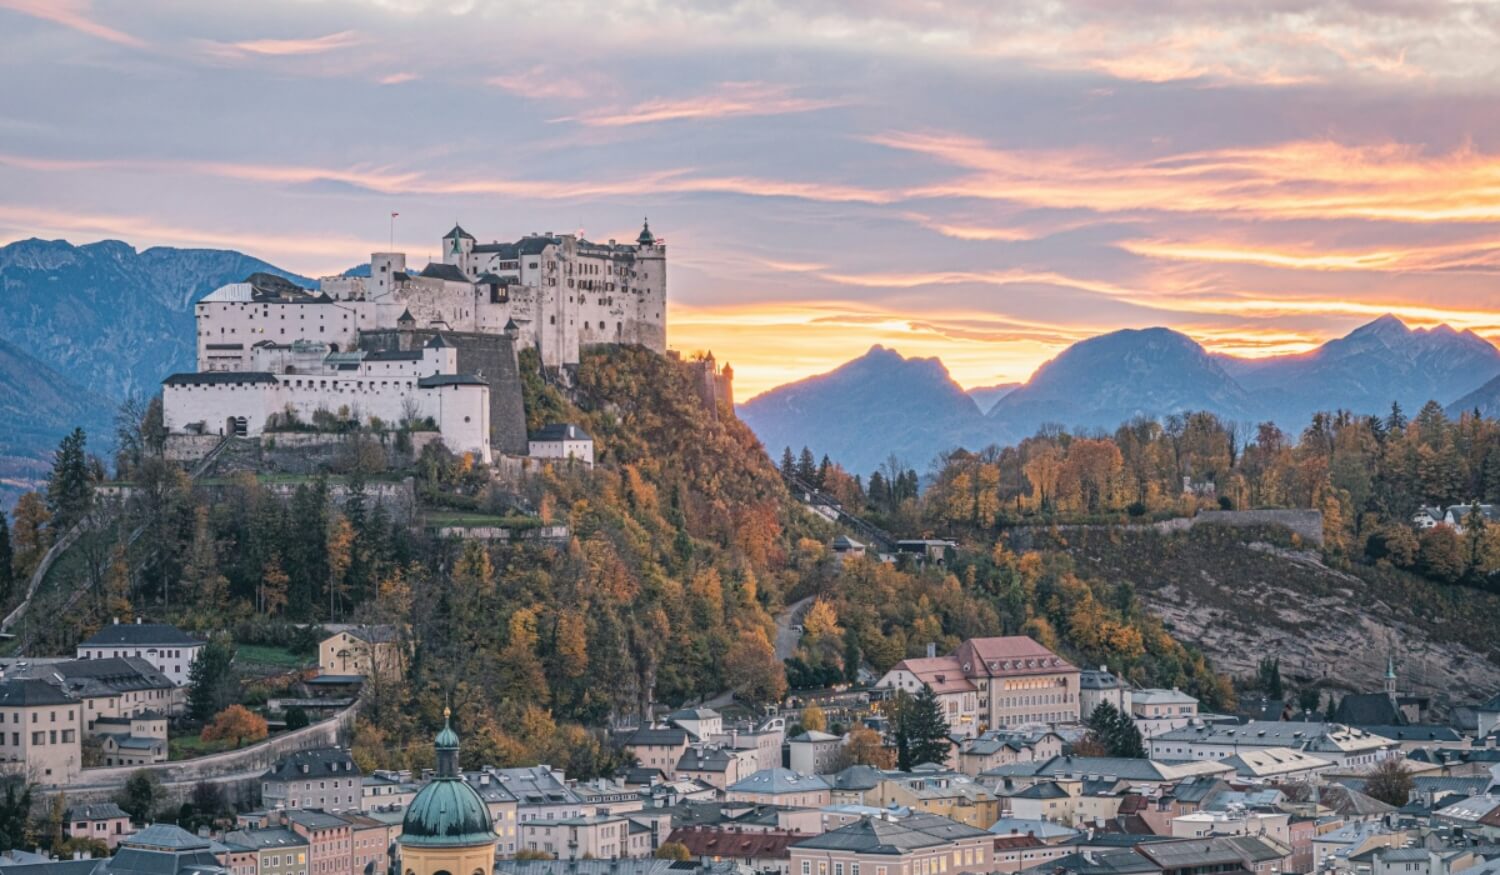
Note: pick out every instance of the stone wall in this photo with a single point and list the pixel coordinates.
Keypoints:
(188, 448)
(490, 356)
(1306, 524)
(238, 772)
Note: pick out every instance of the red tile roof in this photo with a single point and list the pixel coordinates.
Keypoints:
(734, 843)
(1010, 655)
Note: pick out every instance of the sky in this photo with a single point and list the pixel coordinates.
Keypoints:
(980, 181)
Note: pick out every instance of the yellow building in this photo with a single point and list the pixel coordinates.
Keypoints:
(447, 830)
(366, 651)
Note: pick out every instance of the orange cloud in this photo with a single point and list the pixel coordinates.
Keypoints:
(730, 100)
(72, 14)
(310, 46)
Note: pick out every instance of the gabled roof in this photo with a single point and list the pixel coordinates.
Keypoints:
(442, 271)
(458, 232)
(313, 764)
(438, 341)
(658, 736)
(29, 692)
(735, 844)
(778, 781)
(569, 432)
(855, 778)
(880, 836)
(1368, 709)
(95, 811)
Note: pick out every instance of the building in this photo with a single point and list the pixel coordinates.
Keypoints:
(324, 778)
(447, 829)
(922, 844)
(503, 806)
(561, 441)
(764, 851)
(267, 851)
(659, 747)
(1158, 711)
(814, 752)
(365, 651)
(41, 730)
(716, 766)
(599, 836)
(542, 793)
(990, 683)
(1104, 773)
(778, 786)
(1344, 746)
(163, 849)
(702, 723)
(1001, 747)
(1097, 687)
(1276, 763)
(329, 839)
(102, 821)
(956, 797)
(166, 647)
(306, 382)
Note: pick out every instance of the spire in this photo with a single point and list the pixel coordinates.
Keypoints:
(646, 238)
(446, 744)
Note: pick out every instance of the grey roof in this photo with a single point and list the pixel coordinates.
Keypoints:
(394, 355)
(536, 785)
(258, 839)
(777, 781)
(30, 692)
(570, 432)
(1097, 680)
(458, 231)
(1360, 709)
(1196, 788)
(668, 736)
(856, 778)
(101, 677)
(50, 867)
(584, 867)
(1063, 765)
(438, 341)
(209, 378)
(812, 736)
(377, 634)
(712, 759)
(880, 836)
(1421, 732)
(311, 764)
(314, 819)
(533, 245)
(1121, 862)
(441, 271)
(437, 380)
(95, 811)
(165, 836)
(1042, 829)
(504, 250)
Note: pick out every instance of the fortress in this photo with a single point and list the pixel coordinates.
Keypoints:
(435, 348)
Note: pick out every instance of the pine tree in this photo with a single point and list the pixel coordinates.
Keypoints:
(1395, 423)
(823, 468)
(921, 730)
(788, 463)
(1270, 677)
(211, 683)
(807, 468)
(7, 560)
(70, 493)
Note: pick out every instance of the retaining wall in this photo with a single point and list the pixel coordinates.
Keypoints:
(1306, 524)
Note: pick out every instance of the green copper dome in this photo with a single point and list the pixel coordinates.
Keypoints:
(447, 812)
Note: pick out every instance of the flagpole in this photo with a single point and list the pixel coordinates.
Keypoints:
(393, 231)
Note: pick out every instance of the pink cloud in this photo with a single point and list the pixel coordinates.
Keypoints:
(284, 47)
(730, 100)
(72, 14)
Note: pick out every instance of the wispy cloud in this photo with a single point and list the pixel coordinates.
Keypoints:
(74, 14)
(729, 100)
(540, 82)
(284, 47)
(398, 78)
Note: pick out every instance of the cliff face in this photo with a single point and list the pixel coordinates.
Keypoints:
(1239, 597)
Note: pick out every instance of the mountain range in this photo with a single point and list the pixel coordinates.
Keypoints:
(882, 404)
(86, 326)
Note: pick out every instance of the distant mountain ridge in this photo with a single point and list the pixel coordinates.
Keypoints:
(88, 325)
(1103, 381)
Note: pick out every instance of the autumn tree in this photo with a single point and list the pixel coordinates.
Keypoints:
(32, 535)
(864, 747)
(236, 722)
(752, 670)
(813, 719)
(1390, 782)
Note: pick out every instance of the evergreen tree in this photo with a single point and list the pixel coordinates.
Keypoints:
(921, 730)
(15, 812)
(211, 683)
(807, 469)
(1269, 676)
(788, 463)
(1395, 423)
(7, 561)
(70, 493)
(1116, 732)
(823, 468)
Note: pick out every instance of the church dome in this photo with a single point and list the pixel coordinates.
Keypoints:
(447, 812)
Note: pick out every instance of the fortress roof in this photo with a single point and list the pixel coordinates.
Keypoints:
(219, 378)
(437, 380)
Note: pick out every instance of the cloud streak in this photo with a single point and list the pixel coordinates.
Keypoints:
(729, 100)
(75, 15)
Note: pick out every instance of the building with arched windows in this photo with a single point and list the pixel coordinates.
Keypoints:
(447, 830)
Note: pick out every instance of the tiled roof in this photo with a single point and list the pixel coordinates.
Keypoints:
(734, 843)
(29, 692)
(778, 781)
(312, 764)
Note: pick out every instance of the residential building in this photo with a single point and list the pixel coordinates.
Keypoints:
(1344, 746)
(952, 796)
(1276, 763)
(780, 786)
(702, 723)
(1122, 773)
(542, 793)
(364, 651)
(322, 778)
(1253, 854)
(166, 647)
(814, 752)
(994, 682)
(1001, 747)
(386, 789)
(716, 766)
(102, 821)
(162, 849)
(502, 805)
(329, 840)
(659, 747)
(41, 730)
(267, 851)
(1097, 687)
(1159, 711)
(561, 441)
(594, 836)
(764, 851)
(922, 844)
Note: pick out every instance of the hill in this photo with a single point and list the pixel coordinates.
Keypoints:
(986, 396)
(1368, 369)
(1485, 399)
(865, 410)
(1106, 380)
(39, 406)
(1241, 596)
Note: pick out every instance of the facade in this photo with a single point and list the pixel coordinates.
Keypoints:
(41, 731)
(955, 797)
(599, 836)
(503, 806)
(561, 441)
(1158, 711)
(103, 821)
(326, 779)
(166, 647)
(1096, 687)
(989, 683)
(922, 844)
(764, 851)
(814, 752)
(366, 651)
(1000, 747)
(659, 747)
(703, 723)
(266, 851)
(304, 381)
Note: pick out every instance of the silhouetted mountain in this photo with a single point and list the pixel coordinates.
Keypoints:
(878, 404)
(1485, 399)
(986, 396)
(1106, 380)
(1368, 369)
(38, 406)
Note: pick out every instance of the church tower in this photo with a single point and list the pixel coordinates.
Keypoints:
(447, 830)
(1390, 676)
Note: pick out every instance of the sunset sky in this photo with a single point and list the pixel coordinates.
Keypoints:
(977, 180)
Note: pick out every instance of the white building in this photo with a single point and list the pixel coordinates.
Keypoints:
(561, 441)
(168, 649)
(306, 379)
(1158, 711)
(1344, 746)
